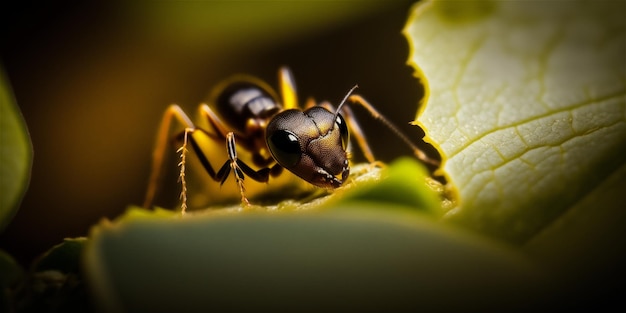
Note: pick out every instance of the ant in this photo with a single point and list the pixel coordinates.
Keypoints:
(311, 143)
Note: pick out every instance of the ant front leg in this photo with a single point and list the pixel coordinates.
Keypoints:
(217, 132)
(233, 164)
(174, 112)
(239, 168)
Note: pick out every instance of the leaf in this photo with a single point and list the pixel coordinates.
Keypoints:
(200, 22)
(527, 103)
(55, 282)
(10, 270)
(15, 154)
(403, 183)
(587, 243)
(64, 257)
(10, 274)
(374, 244)
(359, 257)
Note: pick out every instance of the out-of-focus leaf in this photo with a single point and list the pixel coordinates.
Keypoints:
(196, 23)
(373, 244)
(15, 154)
(55, 282)
(588, 243)
(359, 257)
(10, 270)
(10, 274)
(527, 103)
(64, 257)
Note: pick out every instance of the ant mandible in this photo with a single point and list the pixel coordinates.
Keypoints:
(310, 143)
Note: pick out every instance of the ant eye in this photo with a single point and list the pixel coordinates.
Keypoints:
(285, 147)
(343, 131)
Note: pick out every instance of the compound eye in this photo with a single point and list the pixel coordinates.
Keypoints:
(343, 131)
(285, 148)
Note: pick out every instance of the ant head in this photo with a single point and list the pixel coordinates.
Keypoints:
(311, 144)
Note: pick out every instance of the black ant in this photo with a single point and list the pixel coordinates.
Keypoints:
(245, 113)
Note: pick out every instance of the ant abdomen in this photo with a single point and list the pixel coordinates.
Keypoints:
(241, 101)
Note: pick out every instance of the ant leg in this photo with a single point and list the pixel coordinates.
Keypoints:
(214, 121)
(218, 131)
(287, 88)
(234, 164)
(232, 155)
(357, 99)
(172, 112)
(239, 167)
(182, 165)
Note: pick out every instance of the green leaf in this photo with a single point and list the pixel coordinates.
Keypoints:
(10, 270)
(526, 101)
(10, 274)
(55, 282)
(196, 23)
(359, 257)
(15, 154)
(64, 257)
(374, 244)
(404, 182)
(587, 243)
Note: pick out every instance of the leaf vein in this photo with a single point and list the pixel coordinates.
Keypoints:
(532, 118)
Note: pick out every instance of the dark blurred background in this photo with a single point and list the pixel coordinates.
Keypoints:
(92, 81)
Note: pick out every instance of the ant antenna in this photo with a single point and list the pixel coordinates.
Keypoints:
(343, 102)
(376, 115)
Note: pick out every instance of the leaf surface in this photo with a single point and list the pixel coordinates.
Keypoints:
(359, 257)
(527, 103)
(372, 244)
